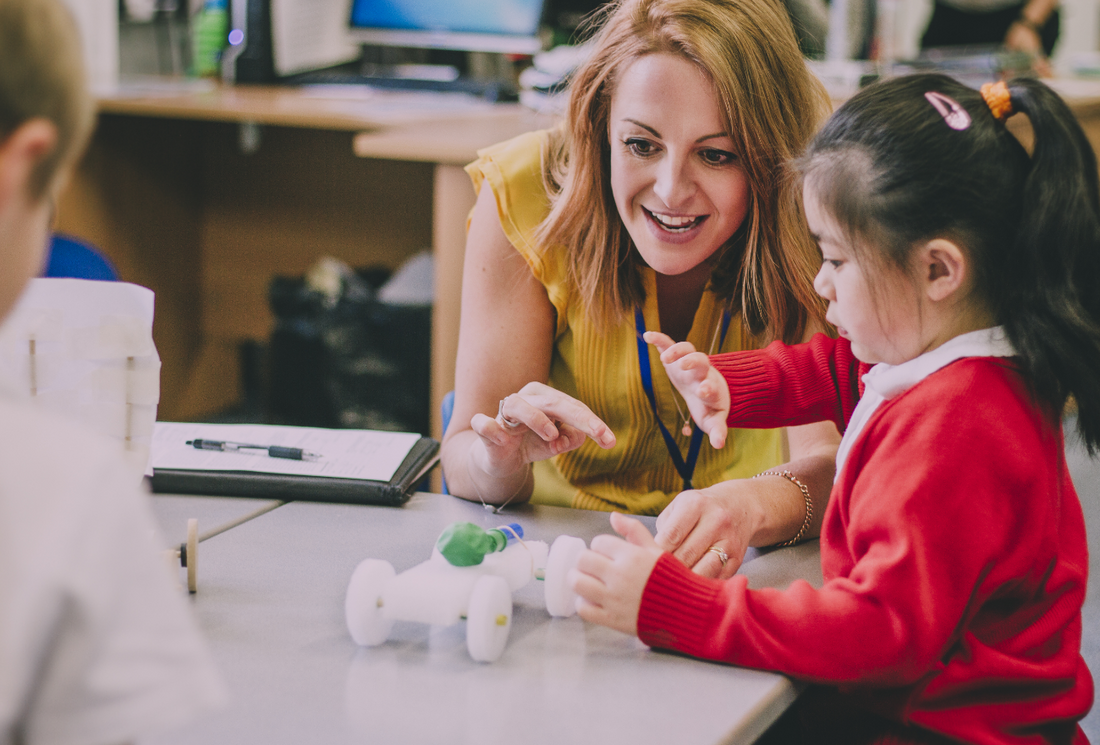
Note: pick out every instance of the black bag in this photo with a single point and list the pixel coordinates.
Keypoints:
(349, 360)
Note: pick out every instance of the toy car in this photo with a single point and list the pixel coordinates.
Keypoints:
(471, 575)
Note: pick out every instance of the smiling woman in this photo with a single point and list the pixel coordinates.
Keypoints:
(679, 187)
(661, 203)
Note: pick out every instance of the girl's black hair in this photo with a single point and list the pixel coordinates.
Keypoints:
(894, 174)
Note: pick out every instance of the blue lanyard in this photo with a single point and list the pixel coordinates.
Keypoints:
(685, 468)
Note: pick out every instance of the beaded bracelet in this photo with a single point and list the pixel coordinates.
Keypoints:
(805, 496)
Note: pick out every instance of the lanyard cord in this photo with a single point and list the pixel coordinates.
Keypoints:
(686, 469)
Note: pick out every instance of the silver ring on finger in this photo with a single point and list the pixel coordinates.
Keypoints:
(504, 420)
(722, 555)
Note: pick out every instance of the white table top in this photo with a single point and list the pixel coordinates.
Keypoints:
(270, 599)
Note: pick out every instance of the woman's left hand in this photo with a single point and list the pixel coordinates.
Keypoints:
(722, 516)
(733, 515)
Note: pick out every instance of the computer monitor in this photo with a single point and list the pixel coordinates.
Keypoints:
(505, 26)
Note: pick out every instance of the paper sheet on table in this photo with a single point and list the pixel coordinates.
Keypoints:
(310, 34)
(346, 453)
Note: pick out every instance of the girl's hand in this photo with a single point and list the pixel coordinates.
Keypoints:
(611, 575)
(702, 386)
(537, 423)
(720, 516)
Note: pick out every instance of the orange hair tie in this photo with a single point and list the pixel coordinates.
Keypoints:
(998, 99)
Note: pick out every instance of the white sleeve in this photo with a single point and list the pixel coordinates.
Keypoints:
(125, 658)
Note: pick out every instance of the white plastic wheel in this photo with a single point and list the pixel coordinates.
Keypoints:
(363, 604)
(192, 555)
(488, 619)
(561, 601)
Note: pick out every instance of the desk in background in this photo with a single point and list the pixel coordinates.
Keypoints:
(271, 603)
(169, 192)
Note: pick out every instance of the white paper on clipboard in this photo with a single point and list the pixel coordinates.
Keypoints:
(310, 34)
(369, 455)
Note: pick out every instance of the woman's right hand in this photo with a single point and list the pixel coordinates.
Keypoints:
(506, 340)
(534, 424)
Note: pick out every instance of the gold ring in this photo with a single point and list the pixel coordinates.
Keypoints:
(722, 555)
(503, 420)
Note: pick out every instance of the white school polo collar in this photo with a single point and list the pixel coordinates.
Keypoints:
(884, 382)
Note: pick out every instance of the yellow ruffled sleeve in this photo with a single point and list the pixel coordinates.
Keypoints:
(514, 171)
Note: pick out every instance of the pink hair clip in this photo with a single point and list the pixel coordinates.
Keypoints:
(955, 115)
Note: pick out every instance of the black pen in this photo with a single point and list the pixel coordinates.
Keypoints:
(273, 451)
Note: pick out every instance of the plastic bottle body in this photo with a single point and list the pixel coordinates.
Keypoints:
(209, 35)
(466, 544)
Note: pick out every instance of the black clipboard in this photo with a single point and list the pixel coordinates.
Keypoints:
(422, 457)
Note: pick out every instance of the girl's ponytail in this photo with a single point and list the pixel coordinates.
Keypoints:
(1048, 291)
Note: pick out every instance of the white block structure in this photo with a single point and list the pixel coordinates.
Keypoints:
(84, 349)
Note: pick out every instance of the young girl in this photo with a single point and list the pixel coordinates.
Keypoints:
(961, 276)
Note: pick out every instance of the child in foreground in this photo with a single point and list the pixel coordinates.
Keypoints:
(96, 646)
(961, 276)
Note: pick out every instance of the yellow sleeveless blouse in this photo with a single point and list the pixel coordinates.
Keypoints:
(601, 369)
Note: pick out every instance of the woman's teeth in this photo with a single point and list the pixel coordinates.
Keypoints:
(674, 223)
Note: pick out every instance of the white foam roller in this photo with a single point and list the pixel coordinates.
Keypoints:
(429, 593)
(561, 601)
(366, 622)
(489, 619)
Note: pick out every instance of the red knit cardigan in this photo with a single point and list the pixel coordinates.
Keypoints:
(953, 550)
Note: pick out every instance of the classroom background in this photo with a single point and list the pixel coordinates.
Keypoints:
(303, 233)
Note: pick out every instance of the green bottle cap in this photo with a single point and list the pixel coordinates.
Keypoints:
(466, 544)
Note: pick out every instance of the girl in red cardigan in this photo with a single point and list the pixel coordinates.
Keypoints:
(962, 277)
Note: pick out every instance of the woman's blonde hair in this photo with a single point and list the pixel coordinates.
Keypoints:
(771, 104)
(42, 76)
